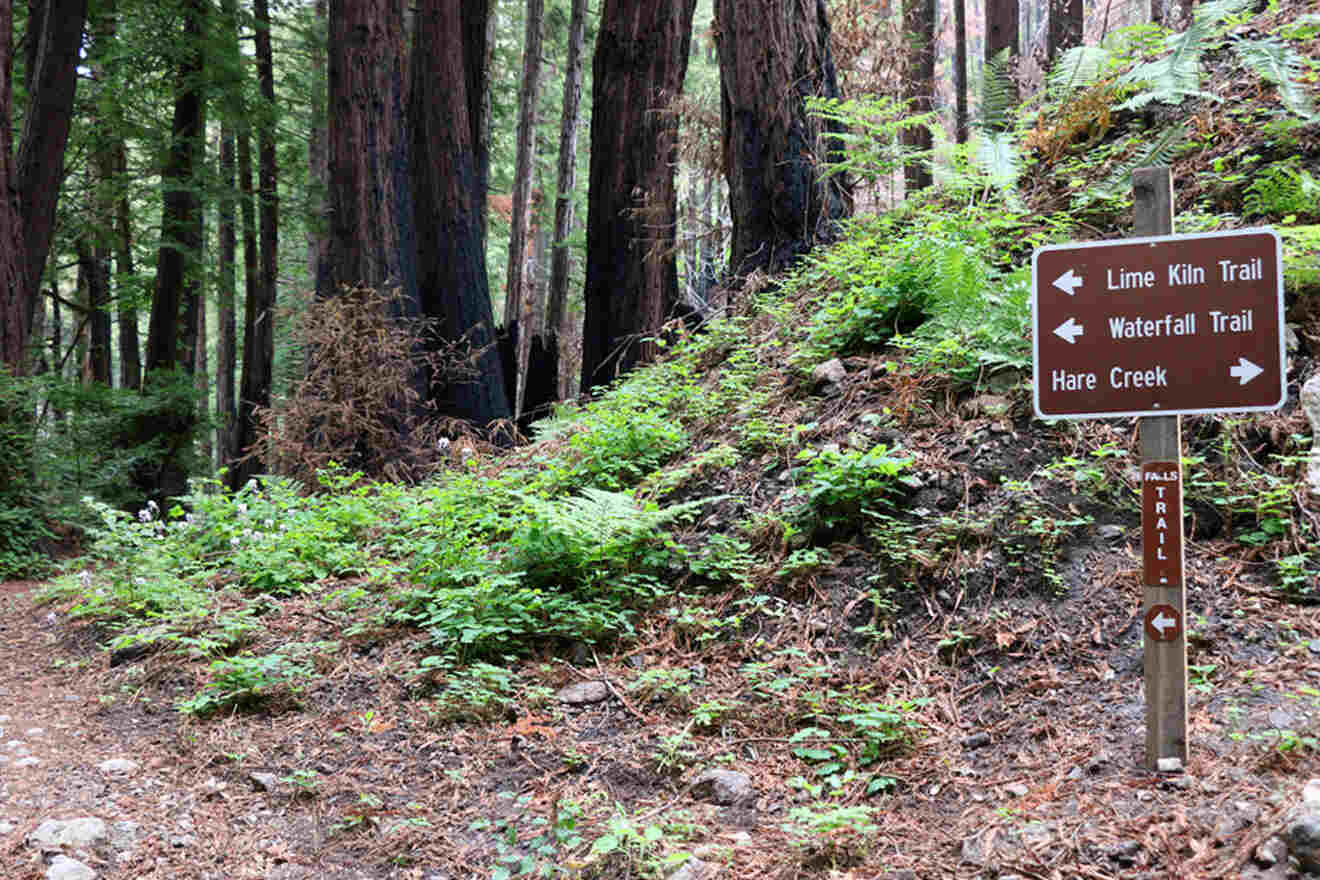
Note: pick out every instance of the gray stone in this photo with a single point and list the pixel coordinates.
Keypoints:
(1018, 789)
(1169, 765)
(694, 869)
(64, 868)
(84, 832)
(121, 766)
(724, 787)
(1302, 835)
(1111, 532)
(1311, 792)
(1124, 853)
(264, 781)
(977, 740)
(1271, 852)
(27, 762)
(6, 827)
(124, 834)
(1310, 397)
(832, 372)
(584, 692)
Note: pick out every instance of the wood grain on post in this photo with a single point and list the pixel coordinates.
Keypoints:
(1161, 441)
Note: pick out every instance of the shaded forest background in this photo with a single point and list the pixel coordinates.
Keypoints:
(264, 238)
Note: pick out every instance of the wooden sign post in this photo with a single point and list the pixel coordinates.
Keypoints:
(1164, 588)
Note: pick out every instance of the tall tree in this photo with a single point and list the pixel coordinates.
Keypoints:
(557, 295)
(524, 160)
(632, 203)
(520, 297)
(919, 86)
(226, 352)
(449, 200)
(366, 146)
(54, 38)
(15, 313)
(1001, 33)
(259, 308)
(960, 71)
(178, 279)
(774, 54)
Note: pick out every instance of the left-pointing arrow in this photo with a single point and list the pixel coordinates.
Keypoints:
(1162, 623)
(1244, 371)
(1068, 282)
(1069, 330)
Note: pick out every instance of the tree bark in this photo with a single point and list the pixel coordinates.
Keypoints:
(226, 352)
(632, 282)
(94, 272)
(557, 294)
(1001, 28)
(174, 305)
(254, 317)
(1065, 26)
(919, 84)
(17, 304)
(479, 33)
(316, 151)
(130, 347)
(448, 204)
(773, 55)
(55, 31)
(365, 49)
(520, 217)
(960, 70)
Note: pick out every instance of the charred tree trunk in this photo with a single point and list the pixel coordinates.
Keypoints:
(449, 202)
(773, 55)
(632, 282)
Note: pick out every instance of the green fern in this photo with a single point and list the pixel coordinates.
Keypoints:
(1119, 181)
(1177, 75)
(999, 97)
(871, 134)
(1277, 62)
(1280, 190)
(1077, 68)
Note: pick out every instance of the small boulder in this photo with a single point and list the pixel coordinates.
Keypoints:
(1302, 834)
(583, 693)
(65, 868)
(264, 781)
(724, 787)
(832, 372)
(82, 833)
(1310, 397)
(118, 766)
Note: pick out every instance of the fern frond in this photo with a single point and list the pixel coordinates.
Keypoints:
(1177, 75)
(1277, 62)
(998, 93)
(1161, 152)
(1077, 68)
(1000, 158)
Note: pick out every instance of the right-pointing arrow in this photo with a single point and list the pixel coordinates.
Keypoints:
(1068, 282)
(1244, 371)
(1161, 623)
(1069, 330)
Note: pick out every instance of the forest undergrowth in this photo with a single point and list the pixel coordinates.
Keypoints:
(823, 542)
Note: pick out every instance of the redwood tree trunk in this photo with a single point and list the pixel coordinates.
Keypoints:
(365, 49)
(557, 291)
(960, 70)
(17, 304)
(919, 84)
(226, 352)
(520, 217)
(55, 31)
(449, 199)
(173, 307)
(773, 55)
(632, 282)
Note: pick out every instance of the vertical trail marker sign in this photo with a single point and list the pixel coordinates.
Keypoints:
(1159, 326)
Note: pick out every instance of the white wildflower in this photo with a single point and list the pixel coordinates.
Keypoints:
(235, 541)
(144, 515)
(86, 577)
(241, 507)
(269, 523)
(140, 581)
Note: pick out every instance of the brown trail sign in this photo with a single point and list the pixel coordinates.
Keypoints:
(1159, 325)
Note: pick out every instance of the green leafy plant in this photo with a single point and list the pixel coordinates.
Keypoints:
(840, 485)
(245, 682)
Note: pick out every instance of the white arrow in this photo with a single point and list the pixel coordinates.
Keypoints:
(1244, 371)
(1069, 330)
(1162, 623)
(1068, 282)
